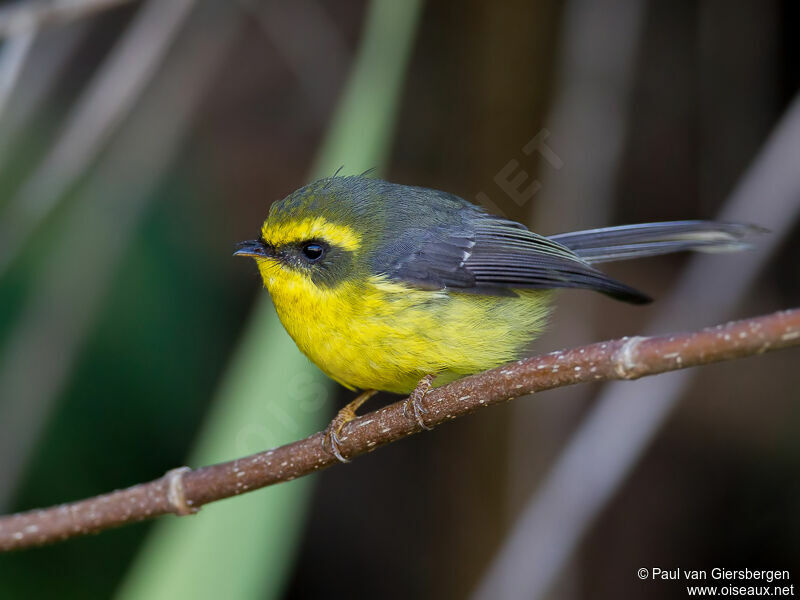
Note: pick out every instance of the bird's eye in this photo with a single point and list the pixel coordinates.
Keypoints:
(313, 251)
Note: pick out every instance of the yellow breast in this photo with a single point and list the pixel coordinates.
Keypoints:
(384, 335)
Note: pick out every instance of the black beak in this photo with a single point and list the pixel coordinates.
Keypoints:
(254, 248)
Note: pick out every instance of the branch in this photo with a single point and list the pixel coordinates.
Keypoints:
(183, 491)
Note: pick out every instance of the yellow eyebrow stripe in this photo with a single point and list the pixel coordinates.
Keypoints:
(310, 229)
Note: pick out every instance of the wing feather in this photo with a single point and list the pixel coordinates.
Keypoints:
(484, 254)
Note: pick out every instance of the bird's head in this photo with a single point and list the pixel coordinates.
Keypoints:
(324, 233)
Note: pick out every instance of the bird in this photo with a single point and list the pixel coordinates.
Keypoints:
(397, 288)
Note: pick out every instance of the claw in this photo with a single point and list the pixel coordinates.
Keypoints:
(334, 443)
(331, 442)
(414, 402)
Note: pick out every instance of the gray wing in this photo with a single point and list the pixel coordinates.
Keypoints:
(484, 254)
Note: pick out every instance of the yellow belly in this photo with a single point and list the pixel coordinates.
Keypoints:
(387, 336)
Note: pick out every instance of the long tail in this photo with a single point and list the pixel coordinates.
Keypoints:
(650, 239)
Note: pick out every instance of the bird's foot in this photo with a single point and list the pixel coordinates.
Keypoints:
(414, 402)
(331, 442)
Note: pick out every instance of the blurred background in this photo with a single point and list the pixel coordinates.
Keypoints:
(139, 141)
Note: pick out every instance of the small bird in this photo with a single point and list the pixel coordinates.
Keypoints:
(386, 286)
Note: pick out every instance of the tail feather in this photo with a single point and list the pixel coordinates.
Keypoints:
(650, 239)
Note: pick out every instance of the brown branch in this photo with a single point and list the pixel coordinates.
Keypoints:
(183, 491)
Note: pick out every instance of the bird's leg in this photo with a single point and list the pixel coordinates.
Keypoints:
(414, 402)
(344, 416)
